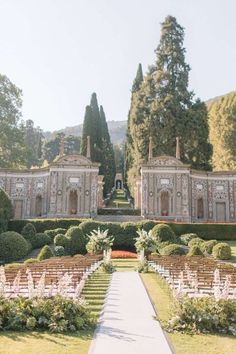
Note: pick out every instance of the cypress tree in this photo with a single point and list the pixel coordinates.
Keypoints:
(222, 125)
(89, 130)
(108, 160)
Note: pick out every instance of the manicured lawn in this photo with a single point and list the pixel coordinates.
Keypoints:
(184, 343)
(119, 200)
(125, 265)
(44, 343)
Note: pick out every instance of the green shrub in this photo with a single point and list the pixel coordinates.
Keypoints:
(52, 233)
(173, 249)
(163, 232)
(186, 238)
(28, 232)
(13, 246)
(13, 265)
(59, 251)
(56, 314)
(40, 240)
(203, 315)
(77, 241)
(6, 210)
(207, 246)
(195, 242)
(31, 261)
(161, 245)
(61, 240)
(221, 251)
(195, 250)
(45, 253)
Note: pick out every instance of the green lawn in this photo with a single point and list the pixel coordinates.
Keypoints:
(118, 200)
(77, 343)
(124, 265)
(184, 343)
(233, 249)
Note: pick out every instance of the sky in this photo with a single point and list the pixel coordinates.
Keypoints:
(61, 51)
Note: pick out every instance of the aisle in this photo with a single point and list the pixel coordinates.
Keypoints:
(127, 325)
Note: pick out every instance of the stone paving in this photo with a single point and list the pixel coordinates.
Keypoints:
(127, 324)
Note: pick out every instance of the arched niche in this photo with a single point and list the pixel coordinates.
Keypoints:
(73, 202)
(38, 205)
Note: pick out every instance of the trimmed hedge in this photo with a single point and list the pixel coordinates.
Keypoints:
(42, 225)
(6, 210)
(45, 253)
(195, 250)
(222, 251)
(172, 250)
(208, 246)
(53, 233)
(13, 246)
(163, 233)
(77, 241)
(40, 240)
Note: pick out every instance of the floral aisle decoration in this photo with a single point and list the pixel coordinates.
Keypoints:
(145, 244)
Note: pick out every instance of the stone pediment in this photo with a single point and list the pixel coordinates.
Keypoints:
(164, 160)
(73, 160)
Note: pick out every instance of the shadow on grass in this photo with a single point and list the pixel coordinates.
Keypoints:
(47, 336)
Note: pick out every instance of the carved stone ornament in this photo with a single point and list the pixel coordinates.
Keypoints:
(165, 160)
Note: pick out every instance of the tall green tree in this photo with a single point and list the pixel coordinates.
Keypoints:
(89, 130)
(51, 148)
(33, 143)
(222, 124)
(12, 147)
(108, 168)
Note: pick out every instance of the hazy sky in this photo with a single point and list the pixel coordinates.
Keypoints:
(60, 51)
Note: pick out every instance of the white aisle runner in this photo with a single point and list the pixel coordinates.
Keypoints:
(127, 325)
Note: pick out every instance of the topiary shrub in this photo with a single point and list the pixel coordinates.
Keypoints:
(61, 240)
(13, 246)
(207, 246)
(76, 241)
(28, 232)
(186, 238)
(13, 265)
(52, 233)
(172, 249)
(45, 253)
(31, 261)
(40, 240)
(163, 232)
(6, 210)
(195, 250)
(59, 251)
(221, 251)
(195, 242)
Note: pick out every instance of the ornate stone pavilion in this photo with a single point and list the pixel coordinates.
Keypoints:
(171, 190)
(69, 187)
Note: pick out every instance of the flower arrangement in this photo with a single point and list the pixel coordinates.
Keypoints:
(145, 242)
(99, 241)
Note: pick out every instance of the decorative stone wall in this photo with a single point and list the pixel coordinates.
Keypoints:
(69, 187)
(170, 190)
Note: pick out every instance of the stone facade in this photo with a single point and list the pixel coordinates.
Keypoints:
(70, 187)
(171, 190)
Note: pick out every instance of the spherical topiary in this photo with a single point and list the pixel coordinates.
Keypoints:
(6, 210)
(61, 240)
(54, 232)
(221, 251)
(195, 242)
(28, 232)
(207, 246)
(186, 238)
(77, 241)
(39, 240)
(163, 232)
(59, 251)
(172, 250)
(195, 250)
(45, 253)
(13, 246)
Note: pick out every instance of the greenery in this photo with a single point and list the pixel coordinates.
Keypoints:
(42, 225)
(13, 246)
(56, 314)
(30, 261)
(183, 342)
(6, 210)
(143, 266)
(54, 232)
(59, 251)
(28, 232)
(99, 241)
(172, 249)
(162, 106)
(221, 251)
(222, 126)
(51, 148)
(195, 250)
(162, 233)
(40, 239)
(208, 246)
(61, 240)
(45, 253)
(76, 241)
(186, 238)
(196, 241)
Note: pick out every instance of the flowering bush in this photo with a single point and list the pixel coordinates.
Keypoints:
(145, 241)
(204, 314)
(56, 314)
(99, 241)
(123, 254)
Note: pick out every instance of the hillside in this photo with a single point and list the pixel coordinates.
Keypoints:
(117, 130)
